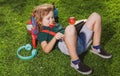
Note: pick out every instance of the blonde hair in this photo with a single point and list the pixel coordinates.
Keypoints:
(40, 11)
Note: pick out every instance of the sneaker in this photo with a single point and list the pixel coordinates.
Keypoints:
(101, 52)
(82, 68)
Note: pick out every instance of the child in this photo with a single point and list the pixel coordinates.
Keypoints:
(66, 39)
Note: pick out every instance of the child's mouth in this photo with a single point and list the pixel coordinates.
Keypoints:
(51, 25)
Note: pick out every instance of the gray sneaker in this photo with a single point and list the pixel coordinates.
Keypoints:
(82, 68)
(101, 52)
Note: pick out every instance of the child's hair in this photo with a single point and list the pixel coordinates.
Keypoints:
(40, 11)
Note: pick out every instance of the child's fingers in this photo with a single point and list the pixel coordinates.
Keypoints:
(59, 36)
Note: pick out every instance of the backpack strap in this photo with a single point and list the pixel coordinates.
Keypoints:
(34, 25)
(33, 21)
(49, 32)
(32, 29)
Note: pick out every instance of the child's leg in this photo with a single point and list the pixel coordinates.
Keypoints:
(70, 40)
(94, 23)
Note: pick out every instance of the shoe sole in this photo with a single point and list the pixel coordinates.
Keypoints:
(84, 73)
(105, 57)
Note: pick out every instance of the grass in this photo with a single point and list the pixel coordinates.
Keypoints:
(13, 17)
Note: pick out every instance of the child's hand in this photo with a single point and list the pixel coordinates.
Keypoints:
(59, 36)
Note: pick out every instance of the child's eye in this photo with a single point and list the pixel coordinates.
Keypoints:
(52, 17)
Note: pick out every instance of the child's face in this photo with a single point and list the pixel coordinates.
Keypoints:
(48, 19)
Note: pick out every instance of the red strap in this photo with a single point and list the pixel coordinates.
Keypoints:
(49, 32)
(34, 40)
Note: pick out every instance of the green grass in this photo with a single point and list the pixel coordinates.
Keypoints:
(13, 17)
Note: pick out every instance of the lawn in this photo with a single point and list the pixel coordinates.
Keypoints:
(13, 17)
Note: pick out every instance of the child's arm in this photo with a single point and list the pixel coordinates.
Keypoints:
(47, 47)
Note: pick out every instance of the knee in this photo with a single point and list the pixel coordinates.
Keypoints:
(70, 30)
(96, 16)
